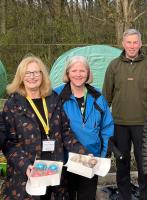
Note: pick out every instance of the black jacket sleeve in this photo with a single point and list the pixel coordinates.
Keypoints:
(2, 132)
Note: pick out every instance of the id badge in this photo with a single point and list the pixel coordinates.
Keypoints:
(48, 145)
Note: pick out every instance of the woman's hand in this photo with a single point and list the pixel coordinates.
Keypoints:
(28, 172)
(91, 155)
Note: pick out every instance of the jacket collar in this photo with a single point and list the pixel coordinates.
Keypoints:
(66, 92)
(138, 58)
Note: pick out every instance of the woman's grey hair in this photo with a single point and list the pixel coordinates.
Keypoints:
(71, 61)
(132, 32)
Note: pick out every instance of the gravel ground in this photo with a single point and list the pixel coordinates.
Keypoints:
(107, 186)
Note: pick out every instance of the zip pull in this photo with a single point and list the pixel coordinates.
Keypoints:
(83, 125)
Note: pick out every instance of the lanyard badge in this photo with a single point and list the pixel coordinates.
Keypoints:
(47, 145)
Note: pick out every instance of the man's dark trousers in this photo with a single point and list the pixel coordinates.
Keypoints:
(124, 137)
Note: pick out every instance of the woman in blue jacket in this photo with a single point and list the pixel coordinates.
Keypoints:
(90, 120)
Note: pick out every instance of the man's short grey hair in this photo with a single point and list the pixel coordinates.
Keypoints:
(132, 32)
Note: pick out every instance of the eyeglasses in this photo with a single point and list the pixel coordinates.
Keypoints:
(35, 73)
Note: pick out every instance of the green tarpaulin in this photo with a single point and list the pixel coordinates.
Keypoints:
(98, 56)
(3, 80)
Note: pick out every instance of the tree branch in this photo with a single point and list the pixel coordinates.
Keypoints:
(139, 15)
(103, 20)
(130, 6)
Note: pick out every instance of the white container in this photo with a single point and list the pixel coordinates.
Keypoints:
(46, 180)
(81, 165)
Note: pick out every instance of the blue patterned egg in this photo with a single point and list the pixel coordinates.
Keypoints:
(53, 167)
(40, 166)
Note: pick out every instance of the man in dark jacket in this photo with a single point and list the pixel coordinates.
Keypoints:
(125, 88)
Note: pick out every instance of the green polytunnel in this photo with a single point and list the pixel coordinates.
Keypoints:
(98, 56)
(3, 80)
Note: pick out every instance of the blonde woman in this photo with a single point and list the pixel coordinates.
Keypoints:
(25, 131)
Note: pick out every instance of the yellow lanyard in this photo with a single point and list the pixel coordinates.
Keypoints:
(45, 125)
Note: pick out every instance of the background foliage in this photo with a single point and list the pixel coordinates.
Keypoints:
(47, 28)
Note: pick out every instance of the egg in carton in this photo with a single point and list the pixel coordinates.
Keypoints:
(83, 165)
(86, 161)
(46, 173)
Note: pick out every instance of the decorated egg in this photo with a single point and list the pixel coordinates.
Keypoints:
(92, 162)
(75, 158)
(36, 174)
(50, 172)
(40, 166)
(53, 167)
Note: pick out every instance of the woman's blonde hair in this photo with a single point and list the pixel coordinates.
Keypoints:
(17, 84)
(71, 61)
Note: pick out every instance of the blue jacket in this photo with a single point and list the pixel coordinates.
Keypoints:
(96, 129)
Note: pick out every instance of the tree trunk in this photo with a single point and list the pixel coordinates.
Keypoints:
(125, 15)
(3, 16)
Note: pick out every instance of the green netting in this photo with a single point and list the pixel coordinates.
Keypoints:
(99, 56)
(3, 80)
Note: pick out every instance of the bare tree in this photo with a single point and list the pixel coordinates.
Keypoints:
(125, 13)
(125, 17)
(3, 16)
